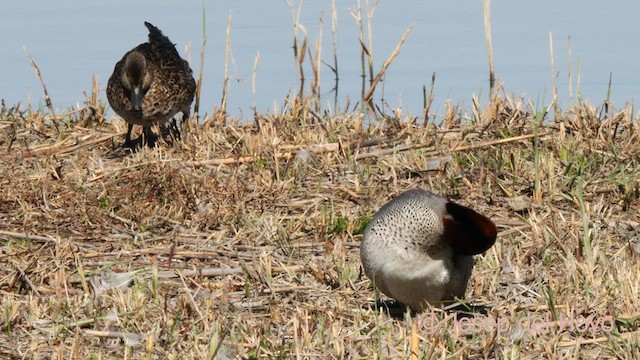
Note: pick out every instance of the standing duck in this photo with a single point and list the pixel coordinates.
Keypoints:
(419, 247)
(151, 84)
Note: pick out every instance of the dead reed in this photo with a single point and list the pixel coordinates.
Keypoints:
(196, 105)
(487, 32)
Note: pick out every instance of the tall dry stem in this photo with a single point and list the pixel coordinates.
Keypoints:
(227, 53)
(357, 16)
(334, 35)
(253, 77)
(370, 12)
(316, 61)
(487, 34)
(570, 70)
(196, 108)
(427, 101)
(554, 78)
(47, 98)
(369, 94)
(299, 50)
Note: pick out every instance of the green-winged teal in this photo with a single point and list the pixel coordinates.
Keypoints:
(151, 84)
(419, 247)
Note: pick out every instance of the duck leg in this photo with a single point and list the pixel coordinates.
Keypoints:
(148, 137)
(174, 130)
(127, 141)
(170, 131)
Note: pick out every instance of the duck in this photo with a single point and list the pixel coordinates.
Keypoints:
(151, 84)
(418, 248)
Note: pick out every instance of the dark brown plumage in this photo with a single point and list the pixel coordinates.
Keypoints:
(151, 84)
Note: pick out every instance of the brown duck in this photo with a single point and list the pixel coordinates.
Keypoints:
(419, 247)
(150, 85)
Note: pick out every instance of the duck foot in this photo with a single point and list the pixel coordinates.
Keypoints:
(170, 132)
(393, 308)
(148, 138)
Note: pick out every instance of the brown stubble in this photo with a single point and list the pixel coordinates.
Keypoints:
(252, 243)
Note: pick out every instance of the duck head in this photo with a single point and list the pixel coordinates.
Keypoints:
(136, 78)
(466, 231)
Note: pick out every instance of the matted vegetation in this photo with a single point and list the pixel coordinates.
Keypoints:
(242, 240)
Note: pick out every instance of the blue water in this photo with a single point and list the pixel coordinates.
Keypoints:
(70, 41)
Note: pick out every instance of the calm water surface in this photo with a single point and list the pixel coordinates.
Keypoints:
(72, 40)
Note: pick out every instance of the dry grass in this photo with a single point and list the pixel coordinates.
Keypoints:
(175, 253)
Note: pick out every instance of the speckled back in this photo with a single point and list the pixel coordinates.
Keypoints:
(412, 220)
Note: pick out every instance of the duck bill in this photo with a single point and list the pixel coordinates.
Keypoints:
(136, 98)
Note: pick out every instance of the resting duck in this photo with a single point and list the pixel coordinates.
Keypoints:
(419, 247)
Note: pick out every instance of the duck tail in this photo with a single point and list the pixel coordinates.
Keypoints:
(155, 35)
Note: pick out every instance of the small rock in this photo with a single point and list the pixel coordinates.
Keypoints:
(519, 203)
(305, 155)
